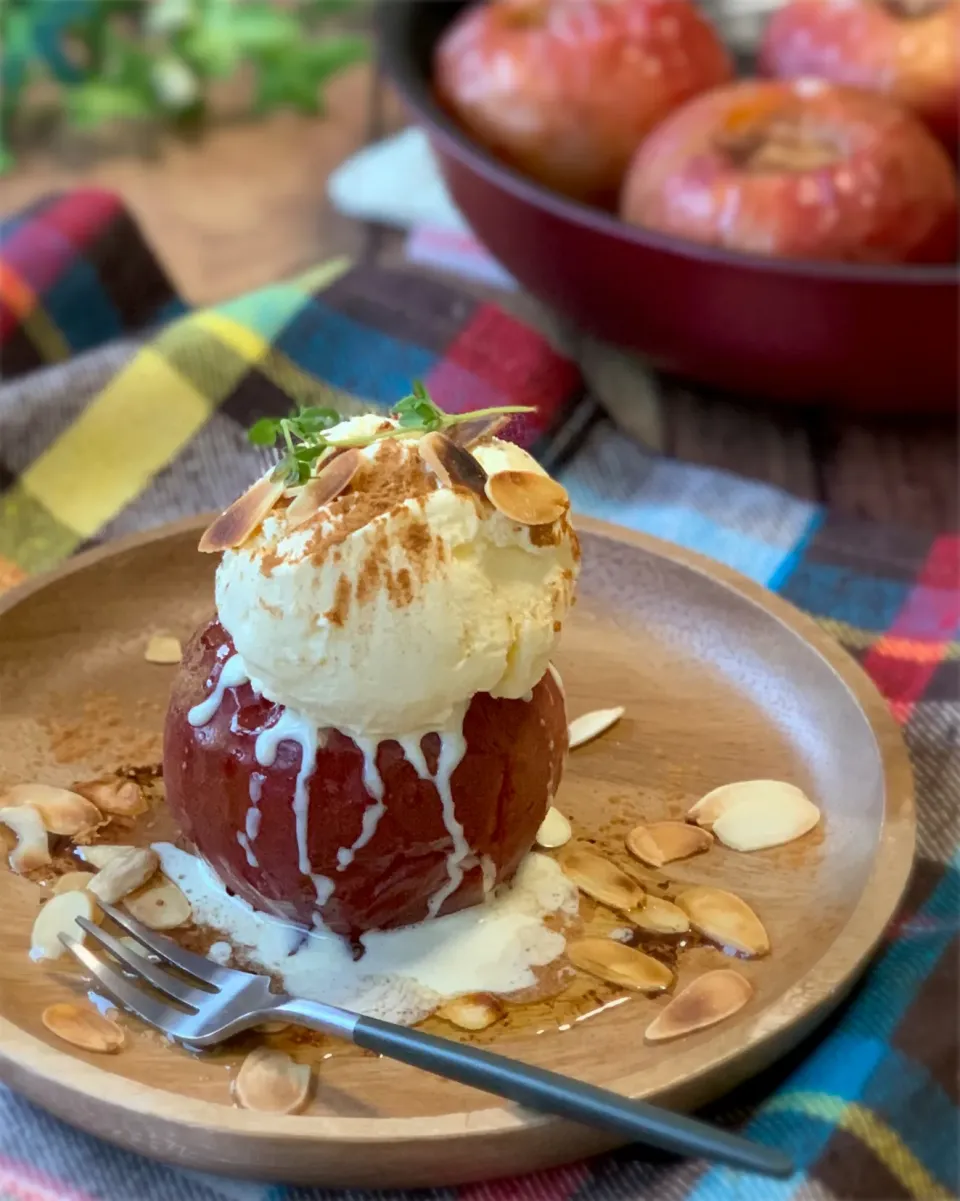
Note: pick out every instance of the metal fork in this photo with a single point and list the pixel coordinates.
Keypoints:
(218, 1002)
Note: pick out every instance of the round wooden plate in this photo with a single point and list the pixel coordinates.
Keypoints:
(721, 681)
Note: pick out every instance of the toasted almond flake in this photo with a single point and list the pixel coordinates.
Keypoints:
(555, 830)
(83, 1027)
(643, 846)
(716, 802)
(236, 523)
(660, 916)
(617, 964)
(725, 919)
(160, 905)
(468, 433)
(59, 916)
(33, 844)
(135, 947)
(602, 880)
(591, 725)
(475, 1011)
(453, 466)
(114, 795)
(61, 811)
(331, 481)
(270, 1081)
(100, 855)
(72, 882)
(163, 648)
(124, 874)
(527, 497)
(709, 999)
(767, 817)
(273, 1027)
(662, 842)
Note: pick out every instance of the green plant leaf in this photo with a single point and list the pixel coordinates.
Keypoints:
(265, 431)
(93, 102)
(327, 56)
(262, 28)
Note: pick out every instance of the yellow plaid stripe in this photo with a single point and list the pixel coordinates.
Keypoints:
(145, 416)
(871, 1130)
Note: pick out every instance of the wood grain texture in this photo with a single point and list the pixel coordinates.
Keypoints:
(720, 680)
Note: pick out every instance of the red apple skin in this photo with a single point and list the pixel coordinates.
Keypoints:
(501, 792)
(914, 60)
(891, 197)
(565, 90)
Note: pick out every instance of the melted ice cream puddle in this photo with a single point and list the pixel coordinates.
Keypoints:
(405, 973)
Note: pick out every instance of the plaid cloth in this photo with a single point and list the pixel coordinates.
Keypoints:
(75, 271)
(868, 1107)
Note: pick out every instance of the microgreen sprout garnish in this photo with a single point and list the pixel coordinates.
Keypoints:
(303, 435)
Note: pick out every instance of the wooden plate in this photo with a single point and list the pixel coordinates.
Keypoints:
(721, 681)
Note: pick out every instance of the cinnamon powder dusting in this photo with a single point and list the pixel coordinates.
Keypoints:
(378, 488)
(337, 615)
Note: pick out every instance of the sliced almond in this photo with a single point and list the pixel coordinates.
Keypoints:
(62, 811)
(469, 433)
(236, 523)
(33, 845)
(617, 964)
(331, 481)
(59, 916)
(770, 817)
(114, 795)
(273, 1027)
(100, 855)
(163, 648)
(591, 725)
(476, 1011)
(709, 999)
(124, 874)
(270, 1081)
(602, 880)
(660, 916)
(527, 497)
(453, 466)
(716, 802)
(555, 830)
(725, 919)
(83, 1027)
(160, 905)
(72, 882)
(662, 842)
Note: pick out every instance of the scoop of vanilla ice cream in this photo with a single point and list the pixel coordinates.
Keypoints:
(386, 627)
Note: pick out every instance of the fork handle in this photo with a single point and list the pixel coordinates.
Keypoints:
(549, 1092)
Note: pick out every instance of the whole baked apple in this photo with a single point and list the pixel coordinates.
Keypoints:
(803, 170)
(241, 815)
(565, 90)
(907, 49)
(369, 732)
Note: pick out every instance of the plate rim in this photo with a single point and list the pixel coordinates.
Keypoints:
(34, 1068)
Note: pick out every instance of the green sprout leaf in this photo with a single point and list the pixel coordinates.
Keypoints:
(265, 431)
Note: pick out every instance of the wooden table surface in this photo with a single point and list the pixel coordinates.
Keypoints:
(247, 204)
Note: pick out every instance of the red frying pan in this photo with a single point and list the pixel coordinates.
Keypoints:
(871, 338)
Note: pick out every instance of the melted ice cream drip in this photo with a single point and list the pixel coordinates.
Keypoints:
(372, 814)
(403, 974)
(453, 746)
(233, 674)
(489, 870)
(244, 842)
(292, 727)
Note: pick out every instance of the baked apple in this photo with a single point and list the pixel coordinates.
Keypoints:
(803, 170)
(907, 49)
(565, 90)
(369, 733)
